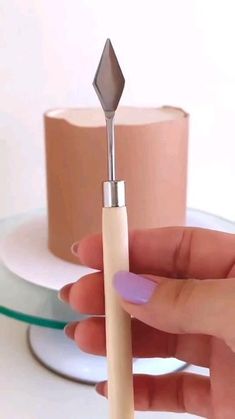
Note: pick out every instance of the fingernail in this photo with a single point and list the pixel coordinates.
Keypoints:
(100, 388)
(69, 329)
(74, 248)
(63, 294)
(134, 288)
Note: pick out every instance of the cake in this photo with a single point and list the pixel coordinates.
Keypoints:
(151, 156)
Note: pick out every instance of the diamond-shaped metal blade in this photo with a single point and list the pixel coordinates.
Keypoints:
(109, 81)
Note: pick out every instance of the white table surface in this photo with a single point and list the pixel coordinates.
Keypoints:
(30, 391)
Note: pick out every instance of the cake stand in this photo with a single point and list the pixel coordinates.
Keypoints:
(27, 294)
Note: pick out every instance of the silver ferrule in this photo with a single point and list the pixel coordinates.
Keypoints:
(114, 193)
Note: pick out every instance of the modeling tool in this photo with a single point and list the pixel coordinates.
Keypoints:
(109, 84)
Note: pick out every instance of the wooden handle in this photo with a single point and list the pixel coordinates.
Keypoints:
(118, 322)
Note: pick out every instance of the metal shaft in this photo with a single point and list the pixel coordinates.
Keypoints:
(111, 148)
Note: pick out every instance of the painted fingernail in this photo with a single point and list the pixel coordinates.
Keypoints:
(63, 294)
(100, 388)
(74, 248)
(69, 329)
(134, 288)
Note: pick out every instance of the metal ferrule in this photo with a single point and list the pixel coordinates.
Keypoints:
(114, 193)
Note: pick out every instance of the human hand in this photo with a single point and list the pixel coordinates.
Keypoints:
(183, 304)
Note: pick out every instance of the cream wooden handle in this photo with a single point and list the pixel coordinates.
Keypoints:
(118, 322)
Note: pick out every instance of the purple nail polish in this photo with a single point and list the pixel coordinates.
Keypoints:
(74, 248)
(134, 288)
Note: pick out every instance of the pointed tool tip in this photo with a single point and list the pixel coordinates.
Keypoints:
(108, 44)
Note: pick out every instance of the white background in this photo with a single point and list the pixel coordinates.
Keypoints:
(172, 52)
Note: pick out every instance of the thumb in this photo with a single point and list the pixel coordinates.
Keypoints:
(180, 305)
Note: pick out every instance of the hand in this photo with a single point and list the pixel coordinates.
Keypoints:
(183, 304)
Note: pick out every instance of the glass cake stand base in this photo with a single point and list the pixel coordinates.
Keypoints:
(59, 354)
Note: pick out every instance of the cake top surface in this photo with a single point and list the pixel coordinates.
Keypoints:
(94, 117)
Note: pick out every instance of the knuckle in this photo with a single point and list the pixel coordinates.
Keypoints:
(180, 392)
(151, 395)
(182, 255)
(184, 303)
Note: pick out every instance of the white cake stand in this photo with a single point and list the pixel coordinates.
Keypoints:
(30, 279)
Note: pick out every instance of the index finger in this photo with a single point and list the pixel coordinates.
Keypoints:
(172, 252)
